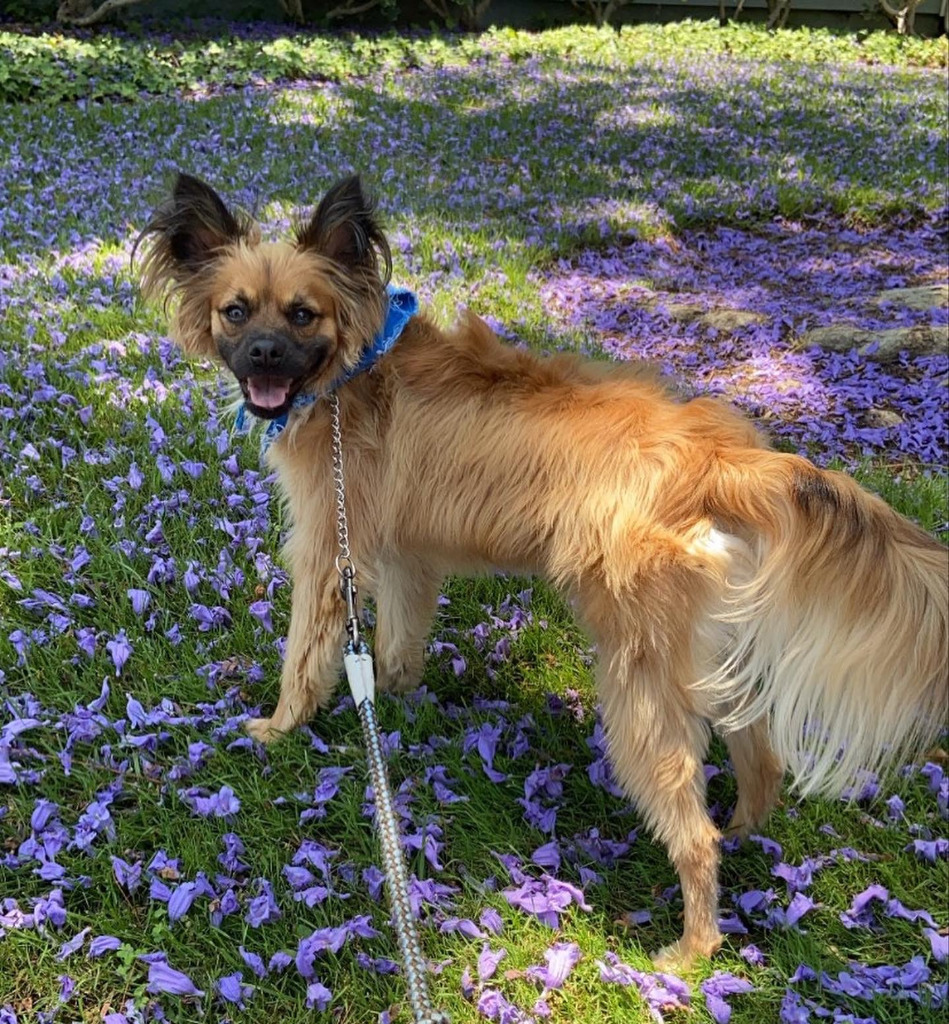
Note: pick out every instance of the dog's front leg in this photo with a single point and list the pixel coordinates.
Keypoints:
(406, 598)
(314, 655)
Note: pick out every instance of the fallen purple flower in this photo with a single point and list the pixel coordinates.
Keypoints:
(120, 650)
(490, 921)
(661, 992)
(722, 984)
(930, 849)
(103, 944)
(793, 1010)
(70, 947)
(797, 908)
(140, 600)
(318, 996)
(179, 903)
(43, 812)
(263, 908)
(253, 961)
(495, 1006)
(67, 986)
(129, 876)
(463, 925)
(859, 914)
(262, 610)
(222, 804)
(939, 944)
(561, 959)
(546, 898)
(752, 954)
(378, 965)
(165, 980)
(488, 961)
(279, 962)
(547, 856)
(232, 989)
(316, 943)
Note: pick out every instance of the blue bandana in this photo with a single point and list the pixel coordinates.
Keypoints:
(403, 305)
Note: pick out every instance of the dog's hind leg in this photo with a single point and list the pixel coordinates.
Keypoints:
(657, 745)
(658, 735)
(406, 596)
(759, 776)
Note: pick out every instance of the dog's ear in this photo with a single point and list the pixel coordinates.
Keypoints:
(184, 237)
(188, 232)
(344, 228)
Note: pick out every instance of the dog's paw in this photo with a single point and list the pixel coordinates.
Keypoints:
(262, 730)
(748, 818)
(402, 679)
(679, 957)
(737, 829)
(671, 959)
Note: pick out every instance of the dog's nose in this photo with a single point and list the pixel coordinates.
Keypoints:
(265, 353)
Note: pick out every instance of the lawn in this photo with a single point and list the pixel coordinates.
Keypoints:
(697, 197)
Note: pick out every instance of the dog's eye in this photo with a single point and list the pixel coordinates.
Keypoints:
(235, 313)
(301, 316)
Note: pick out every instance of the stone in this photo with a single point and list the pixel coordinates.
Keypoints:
(685, 311)
(727, 320)
(920, 340)
(883, 418)
(723, 320)
(928, 296)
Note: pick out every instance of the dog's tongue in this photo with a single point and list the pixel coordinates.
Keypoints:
(268, 392)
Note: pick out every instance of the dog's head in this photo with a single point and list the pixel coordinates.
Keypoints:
(284, 317)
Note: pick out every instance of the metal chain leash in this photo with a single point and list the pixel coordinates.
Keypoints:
(342, 526)
(359, 673)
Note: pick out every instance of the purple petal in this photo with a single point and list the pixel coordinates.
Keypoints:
(939, 944)
(488, 961)
(318, 996)
(181, 899)
(70, 947)
(561, 959)
(164, 979)
(103, 944)
(253, 961)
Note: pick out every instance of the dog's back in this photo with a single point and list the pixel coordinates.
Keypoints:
(607, 484)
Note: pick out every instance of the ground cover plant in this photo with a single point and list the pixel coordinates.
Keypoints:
(643, 194)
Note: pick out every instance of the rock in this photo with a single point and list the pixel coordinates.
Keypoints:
(921, 340)
(927, 297)
(723, 320)
(685, 311)
(883, 418)
(728, 320)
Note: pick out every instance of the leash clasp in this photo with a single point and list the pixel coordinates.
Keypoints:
(347, 586)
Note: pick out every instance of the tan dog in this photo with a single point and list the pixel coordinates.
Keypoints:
(724, 584)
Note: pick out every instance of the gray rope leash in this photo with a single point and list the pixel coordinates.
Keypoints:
(359, 673)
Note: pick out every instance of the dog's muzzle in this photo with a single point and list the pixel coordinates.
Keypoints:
(271, 370)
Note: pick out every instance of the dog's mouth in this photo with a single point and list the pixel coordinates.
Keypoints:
(269, 396)
(269, 385)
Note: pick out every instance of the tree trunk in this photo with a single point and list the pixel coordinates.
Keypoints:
(778, 13)
(348, 7)
(904, 18)
(293, 10)
(601, 11)
(83, 12)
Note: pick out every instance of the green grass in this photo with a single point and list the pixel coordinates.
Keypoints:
(51, 68)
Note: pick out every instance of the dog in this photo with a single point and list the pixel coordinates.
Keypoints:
(726, 585)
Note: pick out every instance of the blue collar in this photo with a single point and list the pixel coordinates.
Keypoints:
(403, 305)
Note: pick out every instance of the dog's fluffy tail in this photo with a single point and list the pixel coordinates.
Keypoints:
(838, 623)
